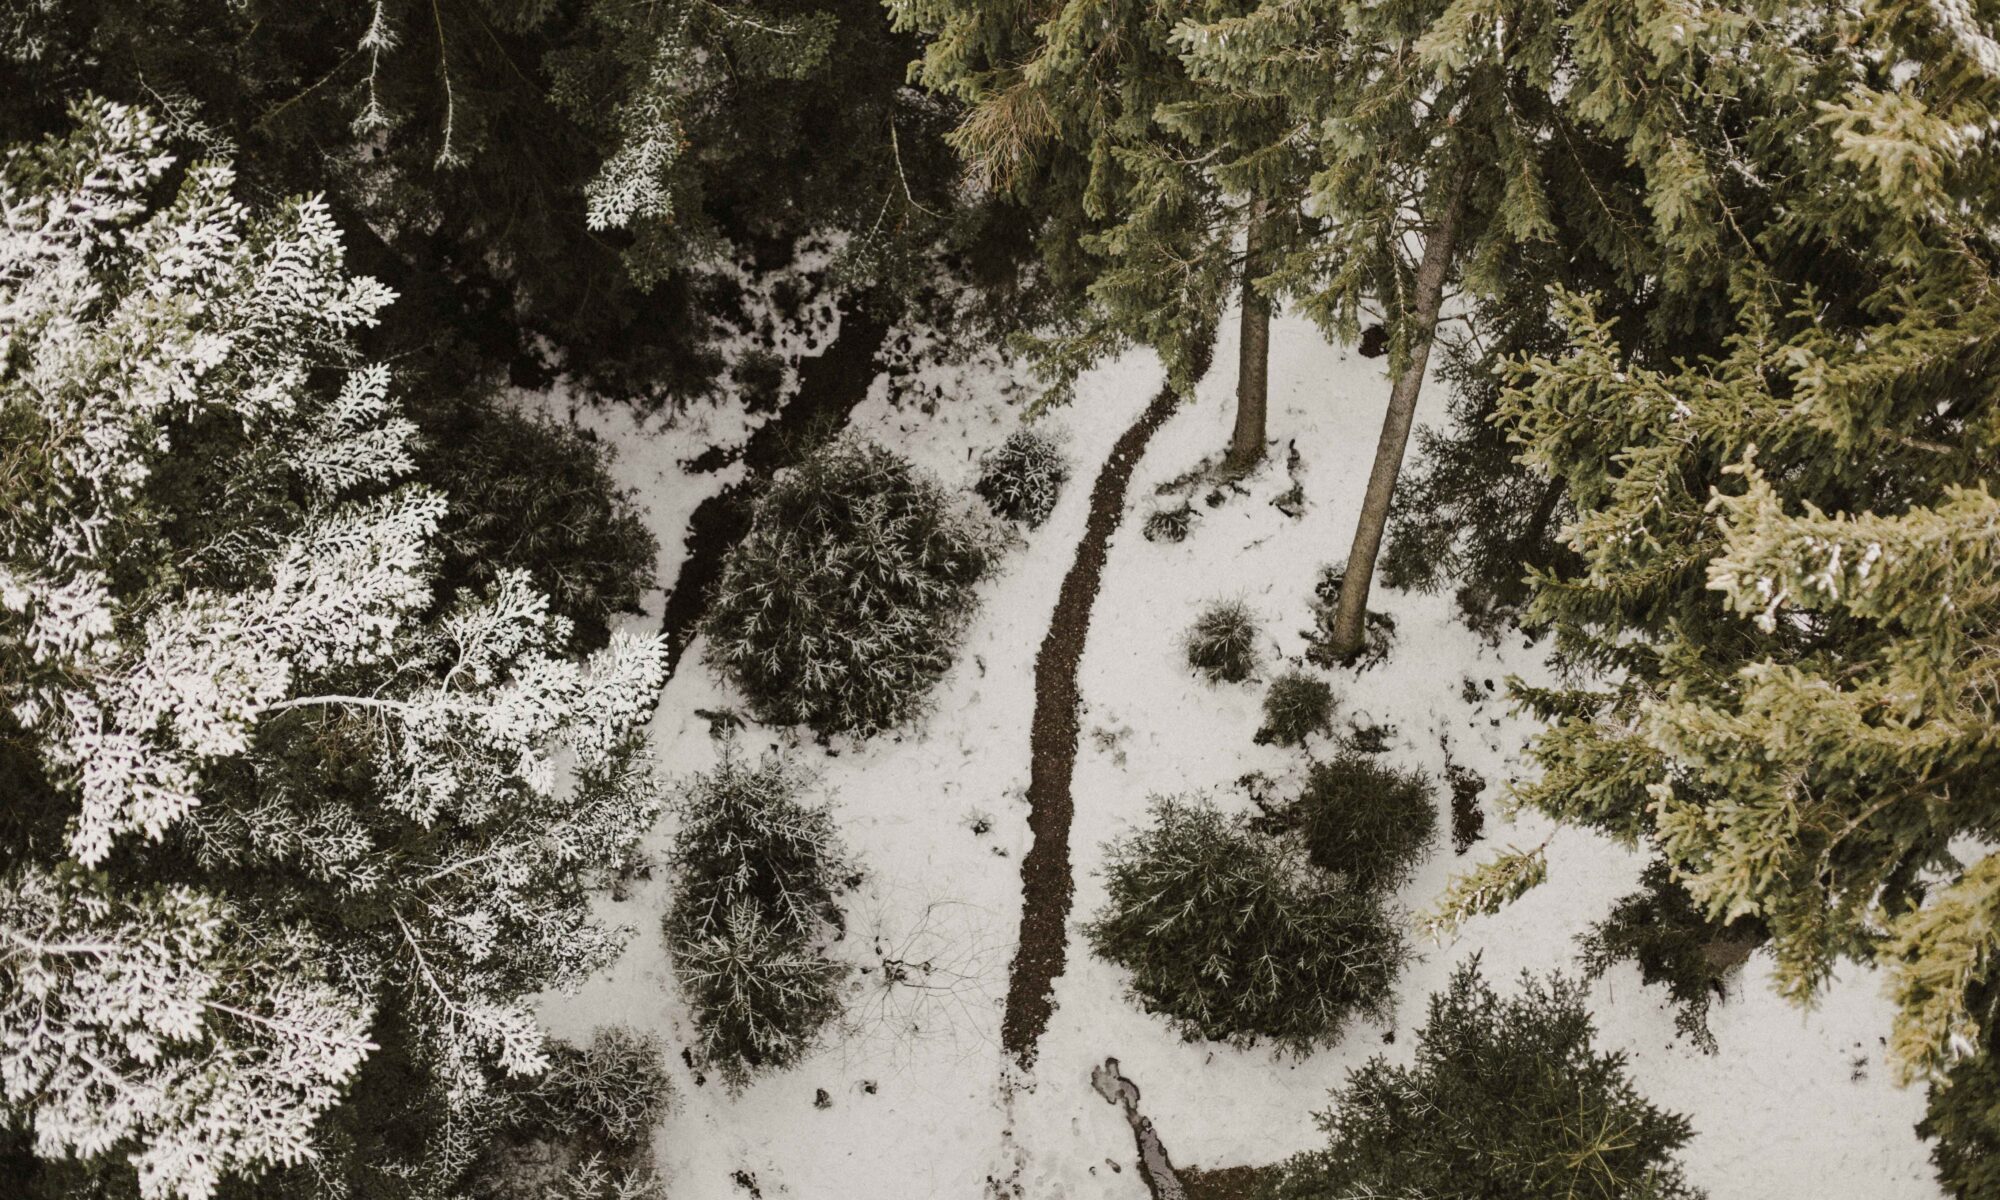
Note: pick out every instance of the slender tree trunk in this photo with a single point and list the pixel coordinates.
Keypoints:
(1349, 618)
(1253, 363)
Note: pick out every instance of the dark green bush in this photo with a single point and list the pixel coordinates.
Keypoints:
(1022, 478)
(755, 903)
(1674, 943)
(534, 494)
(1222, 642)
(1297, 706)
(1366, 821)
(844, 602)
(1506, 1098)
(581, 1130)
(1235, 937)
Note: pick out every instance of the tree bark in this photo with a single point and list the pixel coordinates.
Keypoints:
(1253, 363)
(1349, 621)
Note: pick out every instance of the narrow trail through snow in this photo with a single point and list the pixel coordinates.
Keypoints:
(1046, 884)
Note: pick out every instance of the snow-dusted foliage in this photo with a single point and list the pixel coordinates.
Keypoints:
(754, 905)
(164, 1020)
(219, 642)
(1236, 936)
(843, 604)
(1022, 477)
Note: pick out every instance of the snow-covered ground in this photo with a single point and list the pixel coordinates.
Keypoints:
(1794, 1104)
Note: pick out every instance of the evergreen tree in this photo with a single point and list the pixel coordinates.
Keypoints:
(1786, 558)
(1507, 1097)
(1156, 199)
(267, 798)
(530, 174)
(756, 902)
(1429, 121)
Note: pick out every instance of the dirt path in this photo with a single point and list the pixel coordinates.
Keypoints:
(830, 386)
(1046, 886)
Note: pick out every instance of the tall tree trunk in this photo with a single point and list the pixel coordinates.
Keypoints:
(1349, 618)
(1253, 363)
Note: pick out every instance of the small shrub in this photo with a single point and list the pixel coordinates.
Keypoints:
(760, 380)
(1297, 706)
(844, 602)
(1022, 478)
(582, 1129)
(1504, 1098)
(1170, 524)
(758, 874)
(1222, 643)
(616, 1089)
(1235, 937)
(1369, 822)
(1673, 942)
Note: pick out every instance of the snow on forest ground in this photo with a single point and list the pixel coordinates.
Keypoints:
(1794, 1104)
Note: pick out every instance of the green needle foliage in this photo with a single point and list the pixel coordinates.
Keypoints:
(844, 603)
(1298, 705)
(1367, 821)
(759, 872)
(1672, 943)
(1022, 477)
(1507, 1097)
(1786, 550)
(1236, 937)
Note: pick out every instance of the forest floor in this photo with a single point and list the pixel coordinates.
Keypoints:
(923, 1098)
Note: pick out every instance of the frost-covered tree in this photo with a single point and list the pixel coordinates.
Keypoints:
(267, 789)
(534, 176)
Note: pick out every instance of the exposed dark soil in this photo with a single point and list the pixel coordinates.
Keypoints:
(1046, 886)
(829, 388)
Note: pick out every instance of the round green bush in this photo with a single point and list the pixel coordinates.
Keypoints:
(1365, 821)
(1022, 478)
(1235, 937)
(844, 602)
(1222, 643)
(1297, 706)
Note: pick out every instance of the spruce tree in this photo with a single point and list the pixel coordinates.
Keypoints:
(1428, 121)
(1156, 199)
(1507, 1097)
(1786, 553)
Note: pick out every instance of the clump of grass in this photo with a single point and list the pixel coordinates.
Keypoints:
(1222, 643)
(1170, 524)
